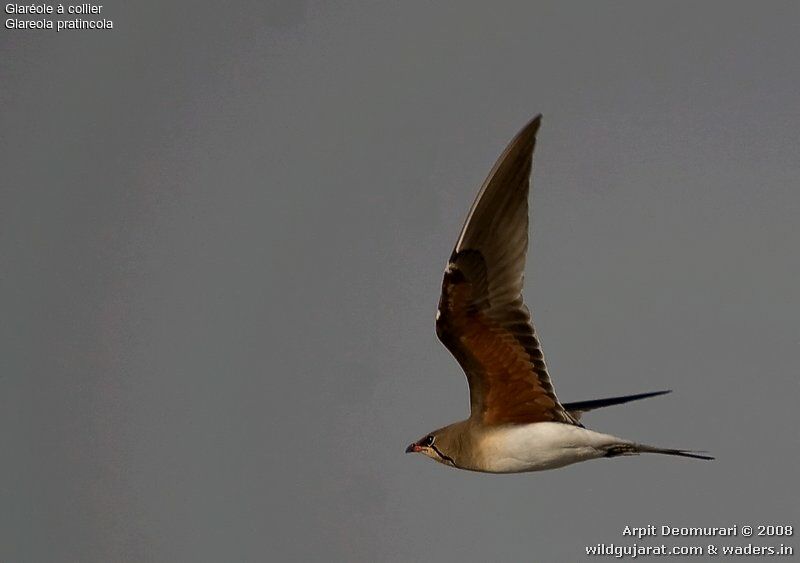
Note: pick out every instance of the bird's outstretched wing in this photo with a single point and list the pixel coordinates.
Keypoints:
(482, 319)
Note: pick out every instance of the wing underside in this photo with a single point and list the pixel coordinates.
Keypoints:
(482, 318)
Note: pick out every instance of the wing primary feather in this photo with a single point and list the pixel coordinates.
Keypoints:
(580, 407)
(482, 318)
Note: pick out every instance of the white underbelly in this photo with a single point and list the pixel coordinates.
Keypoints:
(541, 445)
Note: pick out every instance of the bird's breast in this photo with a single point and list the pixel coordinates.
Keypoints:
(538, 446)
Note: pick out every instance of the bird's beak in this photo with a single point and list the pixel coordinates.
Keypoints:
(413, 448)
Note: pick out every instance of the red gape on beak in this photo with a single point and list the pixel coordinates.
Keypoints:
(413, 448)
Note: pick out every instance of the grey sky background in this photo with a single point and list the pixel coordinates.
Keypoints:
(222, 234)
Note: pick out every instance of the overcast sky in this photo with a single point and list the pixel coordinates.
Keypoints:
(222, 235)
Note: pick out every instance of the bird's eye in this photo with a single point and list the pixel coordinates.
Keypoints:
(428, 441)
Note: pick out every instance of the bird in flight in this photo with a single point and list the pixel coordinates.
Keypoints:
(516, 422)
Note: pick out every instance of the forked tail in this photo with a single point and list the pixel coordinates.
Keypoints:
(636, 449)
(669, 451)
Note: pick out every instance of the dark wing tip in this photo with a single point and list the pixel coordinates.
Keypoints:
(528, 133)
(650, 394)
(505, 189)
(534, 123)
(577, 408)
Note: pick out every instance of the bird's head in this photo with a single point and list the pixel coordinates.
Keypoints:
(438, 445)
